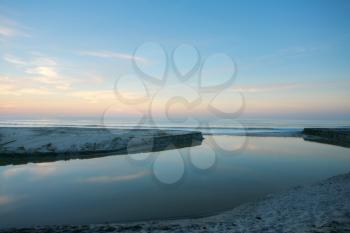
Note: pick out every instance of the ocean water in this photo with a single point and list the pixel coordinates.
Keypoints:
(223, 127)
(226, 170)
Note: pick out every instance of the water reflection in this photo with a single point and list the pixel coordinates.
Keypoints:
(120, 188)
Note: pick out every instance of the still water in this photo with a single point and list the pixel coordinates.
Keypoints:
(219, 174)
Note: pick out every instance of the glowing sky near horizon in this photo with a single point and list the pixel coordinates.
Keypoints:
(62, 58)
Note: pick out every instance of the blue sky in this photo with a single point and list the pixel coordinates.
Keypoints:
(292, 56)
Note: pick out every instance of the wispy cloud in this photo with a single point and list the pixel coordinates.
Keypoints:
(50, 85)
(42, 60)
(10, 28)
(281, 55)
(113, 55)
(50, 76)
(41, 69)
(267, 87)
(11, 87)
(273, 87)
(290, 52)
(13, 60)
(93, 96)
(7, 31)
(34, 60)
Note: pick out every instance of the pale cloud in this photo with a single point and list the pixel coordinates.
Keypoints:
(113, 55)
(14, 60)
(43, 70)
(41, 60)
(24, 91)
(10, 28)
(281, 55)
(267, 88)
(7, 106)
(57, 83)
(290, 52)
(39, 69)
(273, 87)
(49, 85)
(34, 91)
(94, 96)
(7, 31)
(36, 60)
(14, 87)
(95, 79)
(4, 31)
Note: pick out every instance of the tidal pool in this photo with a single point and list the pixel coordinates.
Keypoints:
(188, 182)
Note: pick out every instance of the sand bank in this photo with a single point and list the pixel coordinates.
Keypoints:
(339, 136)
(42, 144)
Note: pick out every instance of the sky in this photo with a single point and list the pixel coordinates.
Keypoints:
(289, 59)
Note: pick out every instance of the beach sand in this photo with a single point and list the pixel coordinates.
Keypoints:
(21, 145)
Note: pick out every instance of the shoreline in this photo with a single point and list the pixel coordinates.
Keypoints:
(320, 207)
(22, 145)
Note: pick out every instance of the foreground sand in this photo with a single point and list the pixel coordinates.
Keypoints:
(322, 207)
